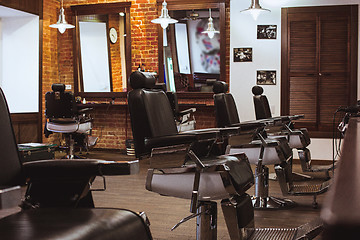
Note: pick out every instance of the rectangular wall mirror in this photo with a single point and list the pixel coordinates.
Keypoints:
(192, 60)
(102, 49)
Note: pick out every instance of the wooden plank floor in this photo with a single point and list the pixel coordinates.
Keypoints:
(164, 212)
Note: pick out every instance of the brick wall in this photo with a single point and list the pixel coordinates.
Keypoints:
(111, 125)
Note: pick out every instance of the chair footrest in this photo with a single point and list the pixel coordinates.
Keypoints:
(273, 233)
(310, 189)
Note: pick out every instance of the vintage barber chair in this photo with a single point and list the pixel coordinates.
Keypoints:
(259, 154)
(181, 166)
(297, 138)
(63, 116)
(57, 196)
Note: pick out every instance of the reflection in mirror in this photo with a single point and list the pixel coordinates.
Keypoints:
(102, 48)
(101, 73)
(191, 57)
(94, 54)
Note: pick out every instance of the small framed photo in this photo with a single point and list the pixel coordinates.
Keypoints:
(242, 54)
(266, 31)
(264, 77)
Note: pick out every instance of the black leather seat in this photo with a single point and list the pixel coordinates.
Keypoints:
(182, 165)
(297, 138)
(63, 116)
(56, 190)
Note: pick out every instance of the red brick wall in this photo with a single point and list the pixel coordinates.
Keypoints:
(115, 55)
(111, 125)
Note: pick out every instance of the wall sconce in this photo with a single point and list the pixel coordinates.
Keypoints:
(164, 20)
(61, 24)
(210, 30)
(255, 9)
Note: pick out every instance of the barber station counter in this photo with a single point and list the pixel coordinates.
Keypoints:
(112, 123)
(341, 210)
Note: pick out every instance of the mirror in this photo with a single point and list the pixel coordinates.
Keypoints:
(102, 57)
(192, 60)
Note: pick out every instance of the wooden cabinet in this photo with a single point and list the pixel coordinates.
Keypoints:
(319, 63)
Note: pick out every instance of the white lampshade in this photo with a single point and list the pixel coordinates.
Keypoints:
(164, 20)
(61, 24)
(255, 9)
(210, 30)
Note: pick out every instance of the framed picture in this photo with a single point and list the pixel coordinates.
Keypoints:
(242, 54)
(266, 31)
(264, 77)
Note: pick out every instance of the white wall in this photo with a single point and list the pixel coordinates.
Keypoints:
(20, 62)
(266, 56)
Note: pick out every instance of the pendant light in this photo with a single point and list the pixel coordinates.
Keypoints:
(210, 30)
(164, 20)
(61, 24)
(255, 9)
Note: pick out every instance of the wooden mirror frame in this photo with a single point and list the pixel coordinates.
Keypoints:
(101, 8)
(190, 5)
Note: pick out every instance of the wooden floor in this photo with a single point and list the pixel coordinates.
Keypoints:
(164, 212)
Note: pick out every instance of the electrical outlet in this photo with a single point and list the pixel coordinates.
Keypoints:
(272, 109)
(68, 87)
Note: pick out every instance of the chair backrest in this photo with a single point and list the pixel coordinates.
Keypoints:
(150, 111)
(261, 103)
(10, 166)
(225, 108)
(60, 103)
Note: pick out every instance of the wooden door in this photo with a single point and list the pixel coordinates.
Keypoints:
(318, 63)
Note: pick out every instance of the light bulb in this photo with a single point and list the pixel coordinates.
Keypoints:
(61, 28)
(211, 34)
(164, 24)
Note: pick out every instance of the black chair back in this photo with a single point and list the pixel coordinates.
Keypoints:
(261, 103)
(150, 112)
(59, 103)
(10, 166)
(225, 108)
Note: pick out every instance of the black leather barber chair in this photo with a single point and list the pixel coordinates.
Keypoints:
(182, 166)
(297, 138)
(261, 153)
(63, 116)
(58, 202)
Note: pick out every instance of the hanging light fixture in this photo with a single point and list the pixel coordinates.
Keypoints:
(255, 9)
(164, 20)
(61, 24)
(210, 30)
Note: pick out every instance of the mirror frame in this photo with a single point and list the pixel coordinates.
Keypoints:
(101, 8)
(190, 5)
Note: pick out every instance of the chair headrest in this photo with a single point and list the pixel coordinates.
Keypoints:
(139, 79)
(257, 90)
(58, 87)
(220, 87)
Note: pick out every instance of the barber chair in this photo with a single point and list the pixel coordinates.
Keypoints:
(58, 202)
(297, 138)
(262, 151)
(185, 120)
(64, 117)
(182, 166)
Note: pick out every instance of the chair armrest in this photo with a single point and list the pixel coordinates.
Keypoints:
(10, 197)
(69, 168)
(83, 110)
(170, 140)
(186, 111)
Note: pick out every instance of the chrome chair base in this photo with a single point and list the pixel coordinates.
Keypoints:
(272, 203)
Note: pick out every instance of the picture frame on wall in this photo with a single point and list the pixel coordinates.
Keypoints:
(266, 31)
(266, 77)
(243, 54)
